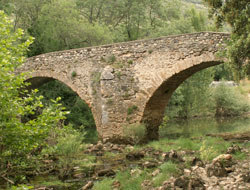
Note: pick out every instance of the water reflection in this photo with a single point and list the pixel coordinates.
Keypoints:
(202, 126)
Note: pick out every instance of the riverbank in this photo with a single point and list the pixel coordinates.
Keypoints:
(184, 163)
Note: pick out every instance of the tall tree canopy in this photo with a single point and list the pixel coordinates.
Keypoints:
(237, 14)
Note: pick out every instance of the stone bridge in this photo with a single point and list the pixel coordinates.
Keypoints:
(127, 83)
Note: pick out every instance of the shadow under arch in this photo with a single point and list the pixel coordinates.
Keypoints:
(51, 88)
(156, 104)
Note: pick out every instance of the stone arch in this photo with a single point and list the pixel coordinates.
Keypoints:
(39, 78)
(155, 105)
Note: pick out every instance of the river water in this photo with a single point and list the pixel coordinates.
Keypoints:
(203, 126)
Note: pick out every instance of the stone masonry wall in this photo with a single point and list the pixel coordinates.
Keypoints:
(129, 82)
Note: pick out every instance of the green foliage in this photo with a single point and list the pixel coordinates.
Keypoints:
(73, 74)
(129, 181)
(104, 184)
(130, 62)
(96, 77)
(80, 115)
(222, 72)
(237, 15)
(65, 24)
(66, 150)
(111, 58)
(134, 132)
(167, 169)
(25, 123)
(19, 138)
(21, 187)
(132, 109)
(192, 97)
(229, 102)
(240, 156)
(207, 152)
(150, 51)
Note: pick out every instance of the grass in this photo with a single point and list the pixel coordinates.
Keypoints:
(131, 182)
(216, 146)
(178, 144)
(167, 170)
(73, 74)
(104, 184)
(132, 109)
(124, 177)
(239, 156)
(206, 148)
(49, 181)
(244, 87)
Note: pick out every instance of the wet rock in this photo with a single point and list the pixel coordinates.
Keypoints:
(187, 172)
(189, 183)
(233, 149)
(146, 185)
(172, 156)
(181, 182)
(89, 185)
(133, 156)
(196, 183)
(99, 146)
(220, 166)
(168, 184)
(135, 172)
(116, 148)
(105, 172)
(150, 164)
(99, 153)
(246, 177)
(195, 161)
(224, 159)
(156, 172)
(216, 169)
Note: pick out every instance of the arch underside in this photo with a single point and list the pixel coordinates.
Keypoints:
(37, 81)
(155, 107)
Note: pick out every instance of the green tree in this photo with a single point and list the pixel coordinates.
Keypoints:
(193, 97)
(237, 14)
(17, 138)
(61, 27)
(80, 114)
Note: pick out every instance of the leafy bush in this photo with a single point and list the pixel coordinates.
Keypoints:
(80, 113)
(19, 139)
(66, 150)
(21, 187)
(229, 101)
(207, 152)
(134, 132)
(192, 97)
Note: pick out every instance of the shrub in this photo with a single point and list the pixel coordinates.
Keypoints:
(229, 101)
(134, 132)
(130, 62)
(111, 58)
(207, 152)
(18, 139)
(66, 150)
(132, 109)
(73, 74)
